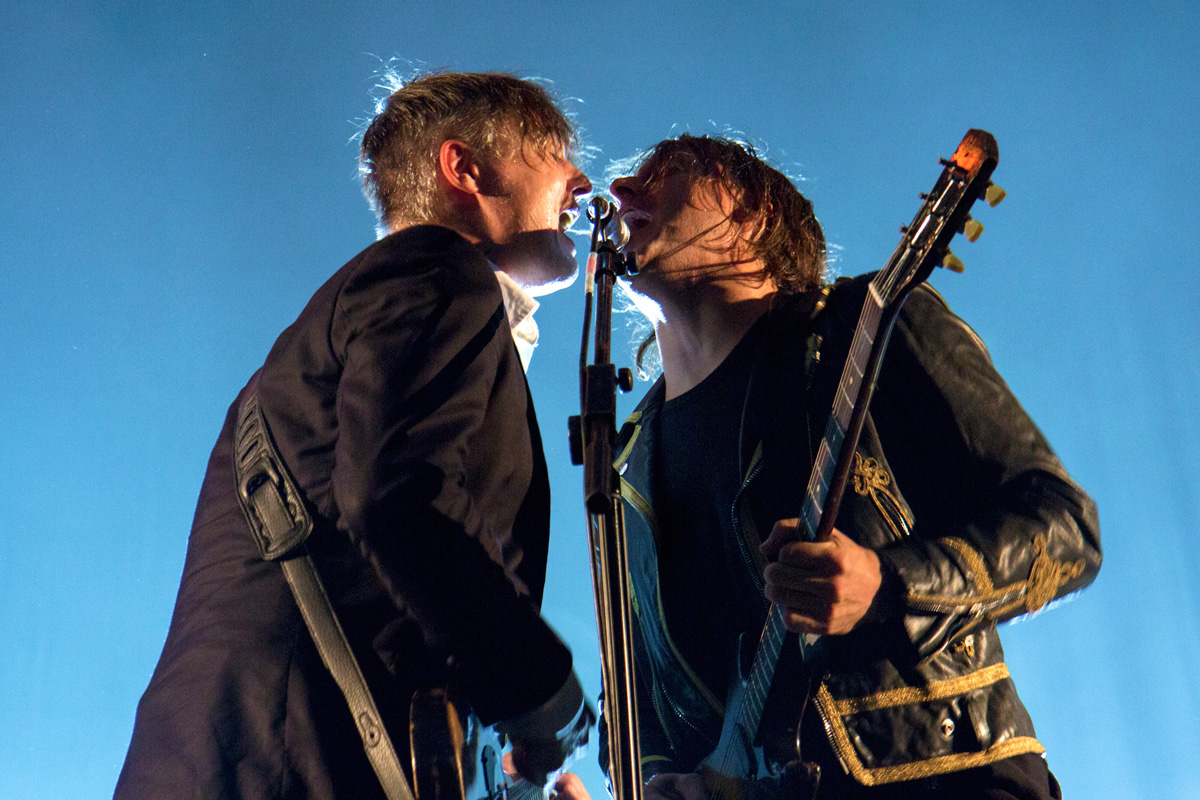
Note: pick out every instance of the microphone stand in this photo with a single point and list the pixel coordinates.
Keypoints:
(592, 438)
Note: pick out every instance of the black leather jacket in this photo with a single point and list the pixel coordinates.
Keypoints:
(973, 517)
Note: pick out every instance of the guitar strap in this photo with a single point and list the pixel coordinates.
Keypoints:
(281, 523)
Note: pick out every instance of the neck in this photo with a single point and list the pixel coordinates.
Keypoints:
(701, 326)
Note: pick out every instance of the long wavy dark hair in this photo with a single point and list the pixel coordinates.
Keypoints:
(785, 234)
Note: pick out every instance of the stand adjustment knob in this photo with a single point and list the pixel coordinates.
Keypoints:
(575, 439)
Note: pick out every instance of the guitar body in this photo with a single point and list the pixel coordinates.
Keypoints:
(457, 758)
(736, 757)
(746, 753)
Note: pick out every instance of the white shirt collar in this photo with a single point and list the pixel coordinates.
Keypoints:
(519, 306)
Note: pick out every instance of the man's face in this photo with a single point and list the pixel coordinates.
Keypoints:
(532, 198)
(681, 228)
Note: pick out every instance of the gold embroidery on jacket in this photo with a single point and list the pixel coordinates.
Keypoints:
(833, 710)
(1046, 576)
(624, 456)
(872, 480)
(975, 564)
(976, 572)
(908, 695)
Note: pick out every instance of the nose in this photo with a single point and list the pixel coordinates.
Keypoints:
(579, 183)
(622, 189)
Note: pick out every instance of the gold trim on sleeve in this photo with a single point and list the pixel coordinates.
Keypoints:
(977, 573)
(1046, 576)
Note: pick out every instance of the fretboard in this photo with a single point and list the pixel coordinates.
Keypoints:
(849, 387)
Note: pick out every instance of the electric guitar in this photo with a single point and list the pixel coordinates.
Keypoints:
(924, 245)
(454, 757)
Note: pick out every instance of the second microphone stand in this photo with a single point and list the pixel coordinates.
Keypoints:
(593, 437)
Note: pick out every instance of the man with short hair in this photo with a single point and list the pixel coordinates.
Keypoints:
(958, 515)
(398, 403)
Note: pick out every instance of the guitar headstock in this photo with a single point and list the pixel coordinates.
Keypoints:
(945, 212)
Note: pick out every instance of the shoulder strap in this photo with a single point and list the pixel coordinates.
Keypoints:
(281, 523)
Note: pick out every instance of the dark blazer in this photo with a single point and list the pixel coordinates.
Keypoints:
(398, 402)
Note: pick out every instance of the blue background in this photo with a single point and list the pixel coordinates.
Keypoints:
(177, 178)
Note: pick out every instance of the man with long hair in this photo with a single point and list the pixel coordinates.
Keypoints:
(398, 404)
(958, 515)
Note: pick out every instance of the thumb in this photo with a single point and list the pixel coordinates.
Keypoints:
(784, 532)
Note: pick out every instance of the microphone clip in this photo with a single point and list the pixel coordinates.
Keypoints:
(609, 235)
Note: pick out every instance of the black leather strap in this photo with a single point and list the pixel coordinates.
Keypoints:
(281, 523)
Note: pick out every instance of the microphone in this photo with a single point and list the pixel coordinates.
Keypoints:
(617, 231)
(612, 227)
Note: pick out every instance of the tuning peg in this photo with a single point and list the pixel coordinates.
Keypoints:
(972, 229)
(994, 194)
(953, 262)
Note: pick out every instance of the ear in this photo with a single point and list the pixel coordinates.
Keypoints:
(458, 166)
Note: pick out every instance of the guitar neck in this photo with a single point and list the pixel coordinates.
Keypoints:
(821, 480)
(823, 492)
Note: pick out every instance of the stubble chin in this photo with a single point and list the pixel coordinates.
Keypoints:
(552, 275)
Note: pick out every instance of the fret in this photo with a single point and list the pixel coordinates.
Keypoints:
(822, 469)
(812, 518)
(835, 432)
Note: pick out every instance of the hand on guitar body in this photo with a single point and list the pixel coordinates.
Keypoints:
(670, 786)
(546, 740)
(568, 786)
(708, 785)
(455, 757)
(821, 587)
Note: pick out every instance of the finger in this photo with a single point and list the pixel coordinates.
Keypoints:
(663, 787)
(672, 786)
(784, 531)
(691, 786)
(811, 598)
(535, 764)
(570, 787)
(800, 623)
(658, 791)
(803, 579)
(818, 558)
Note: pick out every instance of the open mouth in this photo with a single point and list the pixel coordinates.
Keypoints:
(636, 219)
(566, 219)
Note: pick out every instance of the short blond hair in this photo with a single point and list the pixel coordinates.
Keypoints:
(493, 113)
